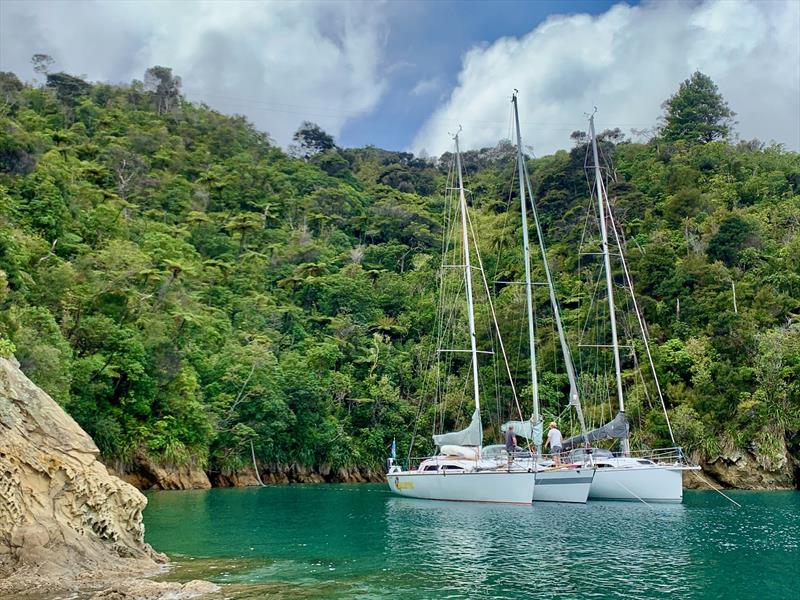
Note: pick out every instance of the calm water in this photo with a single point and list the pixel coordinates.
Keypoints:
(358, 541)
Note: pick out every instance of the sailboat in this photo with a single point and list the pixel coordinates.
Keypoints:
(571, 481)
(459, 472)
(650, 476)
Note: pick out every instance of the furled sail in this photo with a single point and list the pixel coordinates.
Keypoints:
(526, 429)
(471, 436)
(617, 428)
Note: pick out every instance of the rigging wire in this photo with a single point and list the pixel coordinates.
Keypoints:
(640, 319)
(494, 318)
(434, 356)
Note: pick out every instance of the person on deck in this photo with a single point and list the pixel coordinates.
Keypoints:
(511, 444)
(554, 441)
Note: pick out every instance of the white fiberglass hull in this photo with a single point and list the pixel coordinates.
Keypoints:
(515, 487)
(563, 485)
(655, 483)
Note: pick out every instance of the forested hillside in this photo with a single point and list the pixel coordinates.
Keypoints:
(184, 287)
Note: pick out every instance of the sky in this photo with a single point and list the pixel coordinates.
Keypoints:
(404, 75)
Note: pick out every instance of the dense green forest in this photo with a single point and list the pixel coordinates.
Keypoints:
(184, 287)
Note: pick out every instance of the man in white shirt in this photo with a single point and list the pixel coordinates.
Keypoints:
(554, 441)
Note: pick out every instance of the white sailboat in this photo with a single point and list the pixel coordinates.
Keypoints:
(650, 476)
(458, 472)
(571, 481)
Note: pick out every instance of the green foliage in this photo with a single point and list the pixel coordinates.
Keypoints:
(312, 140)
(7, 347)
(733, 236)
(68, 88)
(697, 113)
(186, 289)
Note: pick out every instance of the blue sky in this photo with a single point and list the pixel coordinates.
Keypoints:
(401, 75)
(427, 41)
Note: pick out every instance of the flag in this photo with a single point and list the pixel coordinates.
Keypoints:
(394, 448)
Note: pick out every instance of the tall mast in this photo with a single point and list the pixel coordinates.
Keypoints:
(468, 278)
(574, 398)
(527, 257)
(601, 213)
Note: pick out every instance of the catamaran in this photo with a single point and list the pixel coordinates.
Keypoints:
(648, 476)
(459, 472)
(570, 481)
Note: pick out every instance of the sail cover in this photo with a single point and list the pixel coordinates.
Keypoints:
(471, 436)
(616, 428)
(526, 429)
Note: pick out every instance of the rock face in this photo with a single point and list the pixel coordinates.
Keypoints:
(295, 473)
(145, 474)
(183, 477)
(743, 470)
(244, 478)
(61, 513)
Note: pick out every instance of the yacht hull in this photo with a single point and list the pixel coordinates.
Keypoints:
(563, 485)
(645, 483)
(515, 487)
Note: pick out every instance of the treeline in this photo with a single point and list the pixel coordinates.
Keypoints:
(183, 287)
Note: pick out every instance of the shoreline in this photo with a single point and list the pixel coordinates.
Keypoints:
(735, 470)
(133, 582)
(179, 479)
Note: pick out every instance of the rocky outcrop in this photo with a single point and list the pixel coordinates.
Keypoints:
(295, 473)
(243, 478)
(743, 470)
(178, 477)
(746, 470)
(62, 516)
(146, 474)
(60, 509)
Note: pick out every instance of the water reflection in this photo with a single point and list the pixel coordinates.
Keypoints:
(361, 542)
(562, 551)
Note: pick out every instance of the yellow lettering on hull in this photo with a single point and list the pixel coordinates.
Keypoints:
(403, 485)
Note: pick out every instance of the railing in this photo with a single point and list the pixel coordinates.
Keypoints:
(413, 463)
(522, 459)
(662, 455)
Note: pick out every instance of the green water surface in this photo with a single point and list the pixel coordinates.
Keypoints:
(359, 541)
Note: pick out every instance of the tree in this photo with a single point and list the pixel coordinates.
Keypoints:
(42, 63)
(697, 112)
(68, 87)
(579, 138)
(244, 224)
(165, 86)
(312, 139)
(733, 236)
(127, 168)
(10, 85)
(332, 163)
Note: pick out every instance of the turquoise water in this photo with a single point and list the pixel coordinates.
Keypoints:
(359, 541)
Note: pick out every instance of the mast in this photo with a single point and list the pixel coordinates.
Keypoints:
(574, 398)
(468, 279)
(527, 257)
(609, 282)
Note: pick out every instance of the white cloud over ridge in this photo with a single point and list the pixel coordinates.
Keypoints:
(626, 62)
(277, 62)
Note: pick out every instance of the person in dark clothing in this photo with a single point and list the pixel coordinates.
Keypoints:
(511, 444)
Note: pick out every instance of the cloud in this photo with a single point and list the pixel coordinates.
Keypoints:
(426, 86)
(626, 62)
(277, 62)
